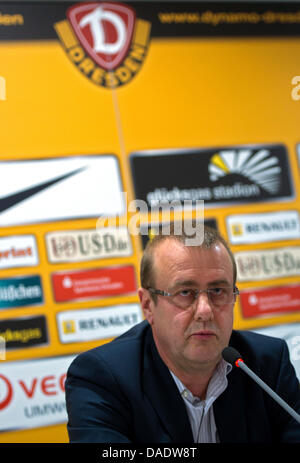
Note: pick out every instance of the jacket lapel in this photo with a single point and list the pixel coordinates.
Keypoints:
(164, 396)
(162, 392)
(229, 411)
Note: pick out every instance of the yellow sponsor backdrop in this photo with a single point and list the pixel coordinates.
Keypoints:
(189, 93)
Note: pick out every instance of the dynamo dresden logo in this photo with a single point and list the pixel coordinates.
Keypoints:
(105, 41)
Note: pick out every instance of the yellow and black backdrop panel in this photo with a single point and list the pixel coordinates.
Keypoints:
(104, 104)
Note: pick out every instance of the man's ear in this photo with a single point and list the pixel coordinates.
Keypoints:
(147, 304)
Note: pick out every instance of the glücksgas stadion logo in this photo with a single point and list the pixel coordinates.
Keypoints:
(105, 41)
(218, 176)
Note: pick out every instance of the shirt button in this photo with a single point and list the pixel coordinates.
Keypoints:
(185, 394)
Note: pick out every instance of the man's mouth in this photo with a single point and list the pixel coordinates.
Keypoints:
(203, 334)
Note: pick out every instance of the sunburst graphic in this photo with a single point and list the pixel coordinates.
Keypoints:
(258, 166)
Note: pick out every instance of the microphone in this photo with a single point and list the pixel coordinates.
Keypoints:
(233, 357)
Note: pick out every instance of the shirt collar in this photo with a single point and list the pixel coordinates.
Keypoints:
(221, 371)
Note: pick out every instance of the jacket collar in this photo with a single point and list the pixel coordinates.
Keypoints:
(163, 393)
(229, 408)
(229, 411)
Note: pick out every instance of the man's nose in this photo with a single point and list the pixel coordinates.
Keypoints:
(203, 309)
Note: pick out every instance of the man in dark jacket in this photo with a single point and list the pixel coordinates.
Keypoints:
(165, 380)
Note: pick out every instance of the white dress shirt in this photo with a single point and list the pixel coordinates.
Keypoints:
(200, 412)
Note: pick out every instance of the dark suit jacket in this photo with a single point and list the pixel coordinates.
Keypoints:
(123, 392)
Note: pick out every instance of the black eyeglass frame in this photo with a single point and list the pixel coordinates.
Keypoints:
(208, 291)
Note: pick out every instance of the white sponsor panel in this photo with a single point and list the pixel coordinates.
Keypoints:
(100, 323)
(32, 393)
(267, 264)
(87, 244)
(18, 251)
(291, 334)
(59, 189)
(264, 227)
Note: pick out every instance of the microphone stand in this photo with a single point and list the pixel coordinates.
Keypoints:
(273, 394)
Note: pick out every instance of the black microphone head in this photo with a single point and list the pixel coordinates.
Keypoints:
(231, 355)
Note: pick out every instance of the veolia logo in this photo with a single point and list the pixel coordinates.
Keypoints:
(29, 388)
(6, 392)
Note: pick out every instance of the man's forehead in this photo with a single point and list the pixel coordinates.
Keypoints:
(168, 247)
(171, 255)
(174, 247)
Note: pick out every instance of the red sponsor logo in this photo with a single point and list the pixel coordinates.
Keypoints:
(49, 385)
(6, 392)
(262, 302)
(104, 30)
(93, 283)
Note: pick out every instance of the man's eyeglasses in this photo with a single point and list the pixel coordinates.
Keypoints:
(185, 298)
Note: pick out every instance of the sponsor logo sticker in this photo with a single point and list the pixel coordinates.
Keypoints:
(18, 251)
(264, 227)
(60, 189)
(24, 332)
(219, 176)
(94, 283)
(105, 41)
(270, 301)
(32, 393)
(21, 292)
(86, 244)
(100, 323)
(268, 263)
